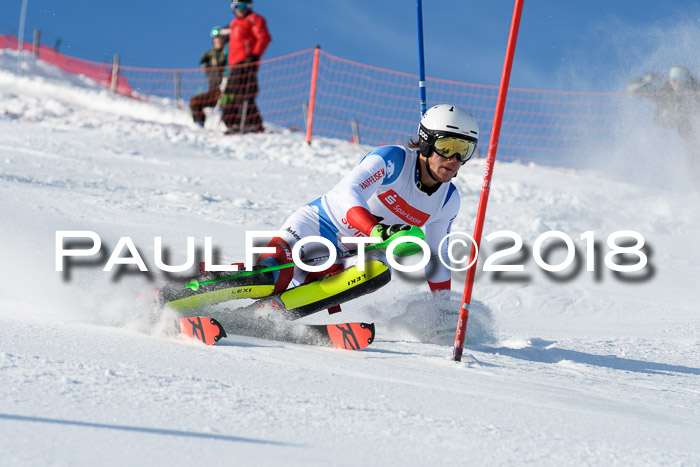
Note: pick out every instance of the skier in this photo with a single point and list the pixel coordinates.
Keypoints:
(677, 100)
(213, 62)
(391, 189)
(248, 40)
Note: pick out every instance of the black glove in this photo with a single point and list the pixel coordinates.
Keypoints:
(386, 231)
(251, 59)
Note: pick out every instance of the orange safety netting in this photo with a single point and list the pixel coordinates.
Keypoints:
(100, 72)
(380, 106)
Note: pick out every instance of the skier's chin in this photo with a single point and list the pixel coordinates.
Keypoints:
(445, 175)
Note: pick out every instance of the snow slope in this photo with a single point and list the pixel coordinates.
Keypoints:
(584, 368)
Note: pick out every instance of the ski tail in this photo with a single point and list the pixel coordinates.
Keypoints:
(347, 336)
(351, 336)
(204, 329)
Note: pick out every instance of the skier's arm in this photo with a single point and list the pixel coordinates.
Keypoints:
(261, 34)
(205, 60)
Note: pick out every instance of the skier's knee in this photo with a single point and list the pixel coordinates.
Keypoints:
(281, 256)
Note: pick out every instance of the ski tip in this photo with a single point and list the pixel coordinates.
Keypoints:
(204, 329)
(351, 336)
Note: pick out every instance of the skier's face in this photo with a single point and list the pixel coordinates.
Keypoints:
(677, 80)
(444, 169)
(241, 13)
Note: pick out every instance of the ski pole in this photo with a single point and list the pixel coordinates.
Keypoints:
(407, 251)
(217, 107)
(421, 59)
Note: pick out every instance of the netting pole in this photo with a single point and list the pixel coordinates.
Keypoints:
(115, 73)
(177, 90)
(421, 61)
(355, 128)
(312, 95)
(35, 43)
(486, 185)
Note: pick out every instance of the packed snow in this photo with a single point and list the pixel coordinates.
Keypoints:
(575, 367)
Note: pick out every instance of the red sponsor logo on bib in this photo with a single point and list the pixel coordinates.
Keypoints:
(402, 209)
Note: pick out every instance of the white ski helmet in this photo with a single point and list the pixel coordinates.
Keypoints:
(448, 130)
(679, 73)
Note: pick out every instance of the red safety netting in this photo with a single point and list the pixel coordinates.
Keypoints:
(539, 126)
(100, 72)
(378, 106)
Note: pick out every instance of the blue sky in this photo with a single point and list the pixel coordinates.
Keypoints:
(563, 44)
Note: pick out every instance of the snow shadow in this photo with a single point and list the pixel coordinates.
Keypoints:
(137, 429)
(542, 351)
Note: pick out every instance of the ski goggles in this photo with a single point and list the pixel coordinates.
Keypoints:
(449, 146)
(677, 79)
(239, 5)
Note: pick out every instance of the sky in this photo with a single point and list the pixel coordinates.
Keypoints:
(595, 45)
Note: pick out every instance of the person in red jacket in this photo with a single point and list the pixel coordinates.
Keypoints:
(248, 39)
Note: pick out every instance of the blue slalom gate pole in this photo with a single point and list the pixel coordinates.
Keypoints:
(421, 60)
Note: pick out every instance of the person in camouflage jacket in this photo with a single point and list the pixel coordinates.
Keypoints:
(213, 62)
